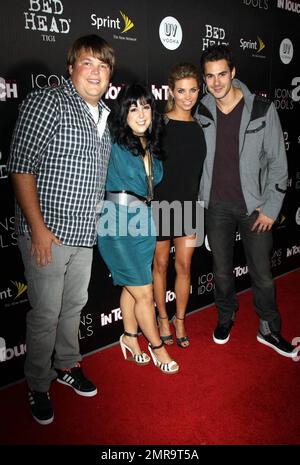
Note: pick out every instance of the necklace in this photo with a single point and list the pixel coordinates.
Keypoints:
(149, 173)
(227, 109)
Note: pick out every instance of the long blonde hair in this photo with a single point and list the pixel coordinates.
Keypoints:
(180, 71)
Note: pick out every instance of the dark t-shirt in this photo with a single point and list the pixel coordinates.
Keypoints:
(226, 182)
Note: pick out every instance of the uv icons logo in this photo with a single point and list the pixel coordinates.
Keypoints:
(286, 51)
(170, 33)
(297, 217)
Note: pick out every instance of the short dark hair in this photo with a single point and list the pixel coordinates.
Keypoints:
(98, 46)
(216, 53)
(122, 134)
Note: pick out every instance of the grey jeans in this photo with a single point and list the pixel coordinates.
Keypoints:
(57, 293)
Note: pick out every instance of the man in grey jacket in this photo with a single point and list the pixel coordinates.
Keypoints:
(243, 186)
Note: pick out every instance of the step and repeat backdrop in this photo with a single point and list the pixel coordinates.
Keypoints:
(148, 37)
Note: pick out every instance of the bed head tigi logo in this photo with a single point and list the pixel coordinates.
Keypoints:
(214, 35)
(46, 16)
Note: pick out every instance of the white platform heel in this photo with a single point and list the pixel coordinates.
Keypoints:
(139, 359)
(170, 368)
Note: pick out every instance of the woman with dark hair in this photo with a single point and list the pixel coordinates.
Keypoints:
(185, 150)
(126, 232)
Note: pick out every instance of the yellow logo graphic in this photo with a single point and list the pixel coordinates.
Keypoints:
(281, 219)
(20, 288)
(128, 24)
(261, 45)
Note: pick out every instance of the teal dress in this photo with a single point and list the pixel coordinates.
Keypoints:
(127, 235)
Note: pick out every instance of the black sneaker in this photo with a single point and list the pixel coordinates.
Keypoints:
(278, 343)
(75, 378)
(41, 407)
(222, 333)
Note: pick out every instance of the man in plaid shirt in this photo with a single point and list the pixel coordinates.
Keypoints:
(58, 162)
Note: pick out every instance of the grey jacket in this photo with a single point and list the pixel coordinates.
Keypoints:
(263, 164)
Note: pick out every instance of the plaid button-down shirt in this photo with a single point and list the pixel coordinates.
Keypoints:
(57, 140)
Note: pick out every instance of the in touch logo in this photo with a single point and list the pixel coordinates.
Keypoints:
(289, 5)
(8, 89)
(294, 250)
(114, 316)
(2, 349)
(7, 353)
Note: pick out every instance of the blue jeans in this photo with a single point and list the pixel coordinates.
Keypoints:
(222, 220)
(57, 293)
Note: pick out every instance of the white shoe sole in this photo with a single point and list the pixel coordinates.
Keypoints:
(281, 352)
(221, 341)
(80, 393)
(44, 422)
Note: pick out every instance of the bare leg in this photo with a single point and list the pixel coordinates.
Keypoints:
(145, 316)
(160, 268)
(127, 303)
(183, 259)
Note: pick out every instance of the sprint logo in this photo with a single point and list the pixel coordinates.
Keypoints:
(256, 46)
(21, 288)
(128, 24)
(261, 45)
(118, 25)
(280, 222)
(11, 295)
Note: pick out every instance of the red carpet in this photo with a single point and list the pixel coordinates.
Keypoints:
(239, 393)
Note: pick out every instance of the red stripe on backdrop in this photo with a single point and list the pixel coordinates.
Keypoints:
(237, 393)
